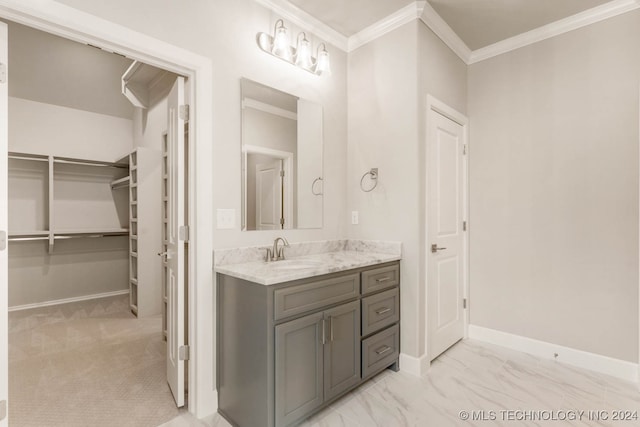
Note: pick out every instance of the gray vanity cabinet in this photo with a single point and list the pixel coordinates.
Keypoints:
(317, 358)
(286, 350)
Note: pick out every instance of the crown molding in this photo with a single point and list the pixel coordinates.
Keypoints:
(302, 19)
(435, 22)
(403, 16)
(579, 20)
(428, 15)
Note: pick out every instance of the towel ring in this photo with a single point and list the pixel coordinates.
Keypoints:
(313, 184)
(374, 177)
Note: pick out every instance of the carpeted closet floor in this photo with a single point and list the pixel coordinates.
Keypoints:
(87, 363)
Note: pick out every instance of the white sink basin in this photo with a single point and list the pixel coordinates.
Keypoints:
(295, 264)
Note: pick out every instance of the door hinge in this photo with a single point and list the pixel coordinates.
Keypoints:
(282, 222)
(3, 73)
(464, 303)
(464, 149)
(183, 233)
(281, 173)
(464, 225)
(3, 410)
(184, 112)
(183, 352)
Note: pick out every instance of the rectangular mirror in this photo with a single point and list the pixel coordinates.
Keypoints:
(282, 179)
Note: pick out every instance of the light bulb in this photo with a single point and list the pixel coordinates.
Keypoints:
(323, 65)
(281, 46)
(303, 52)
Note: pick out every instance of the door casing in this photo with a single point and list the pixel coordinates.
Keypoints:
(70, 23)
(435, 106)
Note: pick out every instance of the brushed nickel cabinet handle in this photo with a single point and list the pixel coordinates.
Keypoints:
(331, 328)
(383, 310)
(323, 333)
(383, 350)
(383, 279)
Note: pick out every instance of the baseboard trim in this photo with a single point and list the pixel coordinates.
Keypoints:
(416, 366)
(210, 408)
(68, 300)
(595, 362)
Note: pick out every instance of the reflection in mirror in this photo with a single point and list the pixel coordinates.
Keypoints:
(282, 181)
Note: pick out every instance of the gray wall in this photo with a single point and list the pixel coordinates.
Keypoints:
(554, 189)
(389, 79)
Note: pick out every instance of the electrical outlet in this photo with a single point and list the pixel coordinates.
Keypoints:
(226, 219)
(354, 217)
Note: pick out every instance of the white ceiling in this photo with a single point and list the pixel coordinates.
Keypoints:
(350, 16)
(478, 23)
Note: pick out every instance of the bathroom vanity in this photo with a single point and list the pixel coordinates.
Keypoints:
(295, 335)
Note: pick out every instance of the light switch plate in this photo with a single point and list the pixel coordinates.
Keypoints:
(226, 219)
(3, 240)
(3, 410)
(354, 217)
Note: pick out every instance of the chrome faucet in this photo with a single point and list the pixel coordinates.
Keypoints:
(276, 254)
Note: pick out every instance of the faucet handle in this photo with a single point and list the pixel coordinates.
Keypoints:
(268, 256)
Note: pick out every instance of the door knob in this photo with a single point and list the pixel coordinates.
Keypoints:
(435, 248)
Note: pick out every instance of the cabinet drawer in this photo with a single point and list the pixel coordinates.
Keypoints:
(377, 279)
(380, 311)
(380, 350)
(310, 296)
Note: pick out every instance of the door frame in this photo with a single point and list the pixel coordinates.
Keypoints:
(82, 27)
(435, 106)
(287, 159)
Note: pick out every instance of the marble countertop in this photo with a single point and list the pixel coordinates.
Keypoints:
(271, 273)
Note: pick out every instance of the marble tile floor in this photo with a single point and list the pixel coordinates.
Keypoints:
(498, 386)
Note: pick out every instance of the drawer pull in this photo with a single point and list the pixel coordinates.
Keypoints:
(383, 279)
(383, 350)
(383, 311)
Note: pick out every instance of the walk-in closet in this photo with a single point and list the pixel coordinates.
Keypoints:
(89, 207)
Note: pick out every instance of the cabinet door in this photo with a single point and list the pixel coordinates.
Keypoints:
(342, 348)
(299, 365)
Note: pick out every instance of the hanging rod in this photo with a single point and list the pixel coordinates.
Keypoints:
(120, 183)
(27, 239)
(87, 236)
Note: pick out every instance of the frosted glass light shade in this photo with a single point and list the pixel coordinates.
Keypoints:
(303, 54)
(323, 66)
(281, 46)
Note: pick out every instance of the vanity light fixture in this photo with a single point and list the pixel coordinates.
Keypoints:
(279, 46)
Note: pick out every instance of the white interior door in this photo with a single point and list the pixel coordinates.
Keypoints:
(4, 201)
(446, 251)
(175, 244)
(269, 201)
